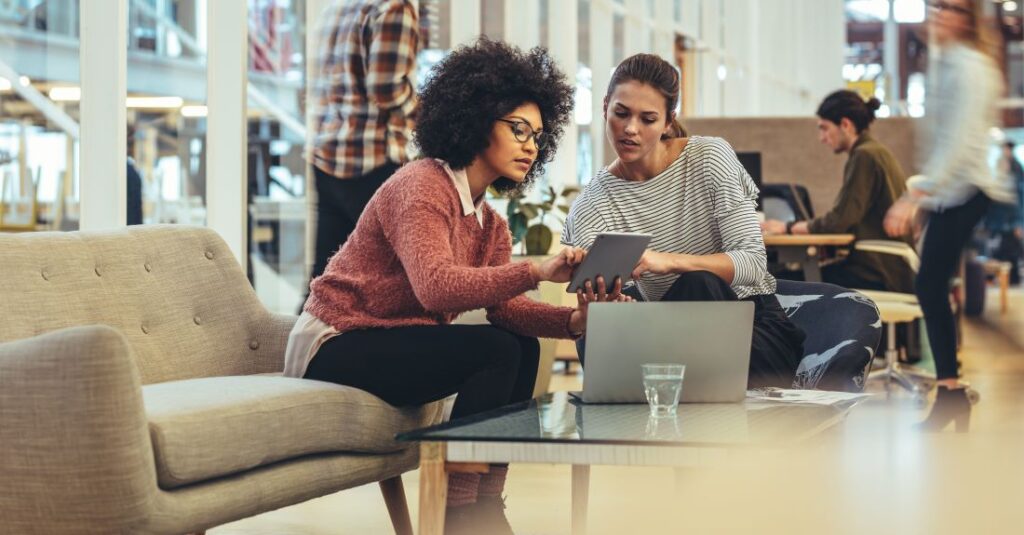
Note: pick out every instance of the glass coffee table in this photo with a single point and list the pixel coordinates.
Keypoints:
(555, 429)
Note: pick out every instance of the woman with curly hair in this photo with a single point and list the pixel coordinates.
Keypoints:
(694, 197)
(428, 248)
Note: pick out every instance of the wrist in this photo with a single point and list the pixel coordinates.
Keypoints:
(575, 325)
(535, 271)
(680, 264)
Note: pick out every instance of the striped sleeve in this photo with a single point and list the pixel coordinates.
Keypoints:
(734, 199)
(585, 220)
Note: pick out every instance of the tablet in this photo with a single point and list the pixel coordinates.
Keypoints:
(614, 254)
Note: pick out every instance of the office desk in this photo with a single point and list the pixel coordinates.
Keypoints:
(803, 249)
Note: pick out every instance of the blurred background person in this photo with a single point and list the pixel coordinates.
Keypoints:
(366, 100)
(957, 186)
(1004, 221)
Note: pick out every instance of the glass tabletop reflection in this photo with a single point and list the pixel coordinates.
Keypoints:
(558, 418)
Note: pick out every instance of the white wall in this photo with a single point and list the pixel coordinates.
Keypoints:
(781, 56)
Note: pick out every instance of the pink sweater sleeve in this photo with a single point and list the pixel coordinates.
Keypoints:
(418, 228)
(523, 315)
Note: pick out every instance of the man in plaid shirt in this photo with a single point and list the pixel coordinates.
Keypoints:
(366, 103)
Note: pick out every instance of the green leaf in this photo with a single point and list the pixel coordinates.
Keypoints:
(512, 208)
(517, 224)
(529, 210)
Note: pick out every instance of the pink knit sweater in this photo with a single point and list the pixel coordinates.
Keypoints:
(415, 259)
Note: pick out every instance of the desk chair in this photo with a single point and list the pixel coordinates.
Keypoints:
(786, 202)
(897, 307)
(33, 215)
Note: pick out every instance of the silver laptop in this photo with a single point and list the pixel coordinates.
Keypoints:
(711, 338)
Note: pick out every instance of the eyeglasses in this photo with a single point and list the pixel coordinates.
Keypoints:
(948, 6)
(523, 132)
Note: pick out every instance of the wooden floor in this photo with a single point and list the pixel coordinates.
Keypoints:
(874, 474)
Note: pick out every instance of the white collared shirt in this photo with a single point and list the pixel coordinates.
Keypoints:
(309, 332)
(461, 181)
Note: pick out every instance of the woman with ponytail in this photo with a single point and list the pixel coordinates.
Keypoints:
(957, 185)
(694, 197)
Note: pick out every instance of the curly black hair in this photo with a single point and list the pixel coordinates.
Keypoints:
(474, 86)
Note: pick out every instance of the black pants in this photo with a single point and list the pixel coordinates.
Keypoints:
(340, 203)
(944, 241)
(777, 345)
(405, 366)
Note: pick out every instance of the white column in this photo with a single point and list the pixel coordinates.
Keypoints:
(313, 10)
(601, 32)
(891, 59)
(103, 57)
(464, 21)
(563, 39)
(637, 35)
(226, 130)
(522, 23)
(664, 30)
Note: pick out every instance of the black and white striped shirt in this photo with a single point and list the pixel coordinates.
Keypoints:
(703, 203)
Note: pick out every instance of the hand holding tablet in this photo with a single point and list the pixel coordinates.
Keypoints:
(614, 254)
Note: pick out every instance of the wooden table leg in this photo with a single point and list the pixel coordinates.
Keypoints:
(1004, 289)
(433, 488)
(580, 494)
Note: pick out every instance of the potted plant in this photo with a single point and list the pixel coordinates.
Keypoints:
(537, 237)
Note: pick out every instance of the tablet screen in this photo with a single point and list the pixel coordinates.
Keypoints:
(614, 254)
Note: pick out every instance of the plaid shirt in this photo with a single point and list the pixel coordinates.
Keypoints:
(365, 88)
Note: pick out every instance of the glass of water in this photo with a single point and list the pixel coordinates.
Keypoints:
(663, 383)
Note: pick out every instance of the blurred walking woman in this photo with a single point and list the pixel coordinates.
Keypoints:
(428, 248)
(958, 184)
(694, 197)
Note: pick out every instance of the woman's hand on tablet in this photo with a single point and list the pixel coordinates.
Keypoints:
(654, 262)
(594, 293)
(559, 268)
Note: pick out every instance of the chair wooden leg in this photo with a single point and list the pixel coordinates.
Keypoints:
(433, 488)
(398, 508)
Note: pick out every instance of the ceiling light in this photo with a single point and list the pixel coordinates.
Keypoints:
(154, 102)
(5, 84)
(1009, 5)
(24, 81)
(193, 111)
(65, 94)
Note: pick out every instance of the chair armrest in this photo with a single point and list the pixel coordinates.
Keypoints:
(73, 433)
(891, 247)
(272, 338)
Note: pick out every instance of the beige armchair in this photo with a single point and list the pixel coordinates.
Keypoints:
(140, 393)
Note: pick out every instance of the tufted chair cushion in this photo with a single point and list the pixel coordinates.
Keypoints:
(175, 292)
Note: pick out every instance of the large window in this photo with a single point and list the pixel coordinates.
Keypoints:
(166, 77)
(38, 115)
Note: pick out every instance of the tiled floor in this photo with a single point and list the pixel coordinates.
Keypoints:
(874, 474)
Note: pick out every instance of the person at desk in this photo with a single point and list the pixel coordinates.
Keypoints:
(428, 248)
(872, 181)
(693, 195)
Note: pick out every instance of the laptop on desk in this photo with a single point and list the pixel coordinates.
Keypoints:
(711, 338)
